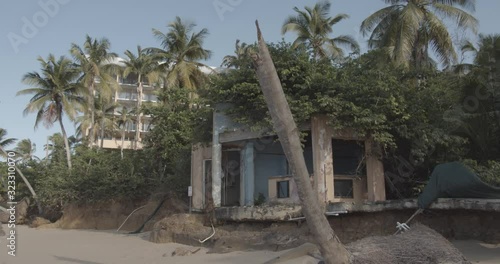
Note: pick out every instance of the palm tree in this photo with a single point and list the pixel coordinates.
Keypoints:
(4, 142)
(241, 51)
(182, 49)
(97, 66)
(55, 145)
(145, 67)
(55, 93)
(26, 149)
(125, 119)
(484, 55)
(103, 119)
(313, 27)
(407, 29)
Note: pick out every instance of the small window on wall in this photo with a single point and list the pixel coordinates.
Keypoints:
(283, 189)
(343, 189)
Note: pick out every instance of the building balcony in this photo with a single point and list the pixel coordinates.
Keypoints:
(117, 143)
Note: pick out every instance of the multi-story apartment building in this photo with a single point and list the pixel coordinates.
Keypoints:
(131, 97)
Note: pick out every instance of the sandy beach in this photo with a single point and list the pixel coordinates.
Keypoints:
(54, 246)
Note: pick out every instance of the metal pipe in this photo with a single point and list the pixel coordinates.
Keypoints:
(129, 216)
(204, 240)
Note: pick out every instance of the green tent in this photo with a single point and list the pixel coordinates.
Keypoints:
(454, 180)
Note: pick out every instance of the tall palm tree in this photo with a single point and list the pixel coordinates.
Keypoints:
(408, 29)
(145, 67)
(330, 247)
(55, 93)
(241, 55)
(26, 149)
(182, 49)
(97, 66)
(104, 117)
(123, 121)
(313, 28)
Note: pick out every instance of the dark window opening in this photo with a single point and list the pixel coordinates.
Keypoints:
(343, 189)
(283, 188)
(348, 157)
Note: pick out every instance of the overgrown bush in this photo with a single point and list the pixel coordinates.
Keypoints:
(488, 172)
(96, 176)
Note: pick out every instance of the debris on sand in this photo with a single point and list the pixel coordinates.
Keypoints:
(184, 251)
(418, 245)
(39, 221)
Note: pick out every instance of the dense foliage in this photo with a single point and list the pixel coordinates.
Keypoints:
(410, 113)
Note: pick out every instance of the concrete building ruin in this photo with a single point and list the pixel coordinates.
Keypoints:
(242, 168)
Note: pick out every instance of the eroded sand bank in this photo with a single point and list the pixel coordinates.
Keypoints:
(54, 246)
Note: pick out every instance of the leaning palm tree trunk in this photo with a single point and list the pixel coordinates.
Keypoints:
(330, 246)
(66, 143)
(33, 193)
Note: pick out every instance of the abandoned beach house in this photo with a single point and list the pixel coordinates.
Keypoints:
(244, 169)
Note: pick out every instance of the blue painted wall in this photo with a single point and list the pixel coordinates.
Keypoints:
(270, 160)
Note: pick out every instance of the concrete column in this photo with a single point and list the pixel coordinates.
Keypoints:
(249, 174)
(374, 172)
(242, 177)
(216, 169)
(321, 135)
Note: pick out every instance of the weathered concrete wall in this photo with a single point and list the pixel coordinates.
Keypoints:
(199, 154)
(321, 135)
(216, 169)
(442, 203)
(375, 172)
(359, 187)
(273, 192)
(258, 213)
(276, 213)
(248, 174)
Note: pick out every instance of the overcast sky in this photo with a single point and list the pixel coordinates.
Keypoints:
(32, 28)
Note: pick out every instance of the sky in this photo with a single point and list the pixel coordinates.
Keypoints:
(33, 28)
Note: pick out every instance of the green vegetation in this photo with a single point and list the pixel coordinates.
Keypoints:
(421, 114)
(407, 30)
